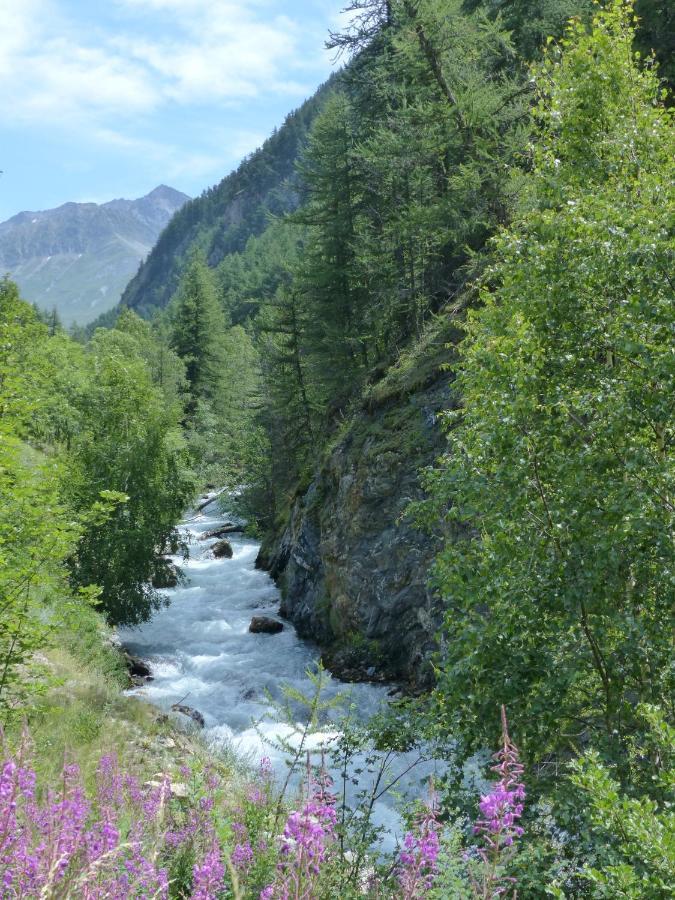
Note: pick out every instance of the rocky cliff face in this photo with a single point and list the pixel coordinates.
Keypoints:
(352, 567)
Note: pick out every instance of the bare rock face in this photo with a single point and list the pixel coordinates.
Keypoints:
(223, 550)
(353, 569)
(265, 625)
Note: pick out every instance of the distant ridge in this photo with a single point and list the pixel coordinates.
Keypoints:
(80, 256)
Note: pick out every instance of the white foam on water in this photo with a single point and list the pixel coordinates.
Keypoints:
(202, 654)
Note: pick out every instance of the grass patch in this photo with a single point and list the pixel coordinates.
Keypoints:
(85, 714)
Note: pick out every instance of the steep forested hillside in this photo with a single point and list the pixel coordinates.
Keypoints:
(336, 246)
(224, 217)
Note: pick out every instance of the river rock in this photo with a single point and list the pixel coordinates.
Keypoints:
(193, 714)
(167, 574)
(223, 550)
(265, 625)
(137, 667)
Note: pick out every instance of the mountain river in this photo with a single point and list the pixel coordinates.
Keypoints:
(202, 654)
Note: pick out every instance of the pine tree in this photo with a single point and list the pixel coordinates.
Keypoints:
(291, 411)
(198, 327)
(326, 279)
(54, 322)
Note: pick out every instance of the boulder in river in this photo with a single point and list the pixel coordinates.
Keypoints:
(137, 667)
(265, 625)
(191, 713)
(223, 550)
(167, 574)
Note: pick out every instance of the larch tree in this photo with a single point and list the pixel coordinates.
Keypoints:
(198, 328)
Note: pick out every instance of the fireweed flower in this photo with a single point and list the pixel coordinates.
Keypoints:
(67, 845)
(208, 876)
(239, 829)
(212, 779)
(418, 859)
(305, 843)
(265, 768)
(499, 814)
(255, 796)
(242, 856)
(109, 781)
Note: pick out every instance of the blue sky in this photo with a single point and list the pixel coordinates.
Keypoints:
(109, 98)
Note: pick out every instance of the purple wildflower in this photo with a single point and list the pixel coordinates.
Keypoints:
(208, 877)
(419, 856)
(68, 846)
(110, 782)
(500, 810)
(306, 842)
(255, 796)
(212, 779)
(265, 768)
(239, 830)
(242, 856)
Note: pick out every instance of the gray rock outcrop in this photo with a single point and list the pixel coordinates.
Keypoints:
(352, 567)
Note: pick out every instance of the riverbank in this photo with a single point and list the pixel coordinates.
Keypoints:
(181, 813)
(256, 691)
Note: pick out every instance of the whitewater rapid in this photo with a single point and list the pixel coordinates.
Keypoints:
(202, 654)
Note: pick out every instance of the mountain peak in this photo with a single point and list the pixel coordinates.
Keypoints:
(164, 190)
(79, 256)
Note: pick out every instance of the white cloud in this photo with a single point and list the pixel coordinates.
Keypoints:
(214, 50)
(108, 79)
(49, 75)
(164, 52)
(176, 162)
(16, 32)
(242, 143)
(65, 80)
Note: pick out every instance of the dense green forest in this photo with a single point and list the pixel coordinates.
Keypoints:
(414, 157)
(492, 180)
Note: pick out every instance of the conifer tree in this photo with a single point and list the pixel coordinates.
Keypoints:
(54, 322)
(326, 278)
(198, 327)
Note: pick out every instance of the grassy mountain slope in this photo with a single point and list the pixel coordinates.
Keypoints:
(79, 257)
